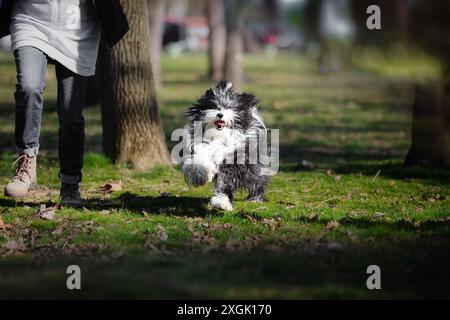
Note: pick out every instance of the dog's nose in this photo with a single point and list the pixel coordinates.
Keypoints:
(220, 115)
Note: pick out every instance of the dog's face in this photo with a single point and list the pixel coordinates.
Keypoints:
(222, 109)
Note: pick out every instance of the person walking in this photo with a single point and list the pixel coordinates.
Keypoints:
(65, 33)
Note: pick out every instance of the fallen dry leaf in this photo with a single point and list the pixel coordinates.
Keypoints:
(378, 215)
(161, 232)
(13, 245)
(46, 213)
(58, 231)
(332, 225)
(270, 223)
(3, 226)
(111, 187)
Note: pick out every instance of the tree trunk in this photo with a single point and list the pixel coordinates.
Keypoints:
(196, 8)
(430, 144)
(401, 19)
(217, 39)
(156, 14)
(132, 129)
(272, 9)
(431, 126)
(234, 57)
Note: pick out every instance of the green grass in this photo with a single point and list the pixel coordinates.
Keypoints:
(341, 201)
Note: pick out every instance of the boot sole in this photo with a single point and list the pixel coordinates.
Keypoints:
(32, 187)
(72, 204)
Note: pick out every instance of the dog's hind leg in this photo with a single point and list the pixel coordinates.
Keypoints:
(257, 190)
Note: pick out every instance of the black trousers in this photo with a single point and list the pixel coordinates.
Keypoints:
(31, 64)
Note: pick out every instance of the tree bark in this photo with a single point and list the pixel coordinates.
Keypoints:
(217, 39)
(132, 129)
(430, 145)
(156, 14)
(234, 57)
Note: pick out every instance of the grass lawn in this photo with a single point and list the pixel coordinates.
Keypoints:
(341, 201)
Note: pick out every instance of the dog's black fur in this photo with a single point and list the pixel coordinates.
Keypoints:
(231, 177)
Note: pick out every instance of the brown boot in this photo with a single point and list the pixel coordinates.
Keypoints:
(70, 195)
(24, 178)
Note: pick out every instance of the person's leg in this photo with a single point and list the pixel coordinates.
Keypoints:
(71, 94)
(31, 64)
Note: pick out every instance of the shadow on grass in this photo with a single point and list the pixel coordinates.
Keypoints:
(417, 269)
(398, 171)
(355, 162)
(164, 205)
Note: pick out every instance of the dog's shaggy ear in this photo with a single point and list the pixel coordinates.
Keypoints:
(248, 100)
(205, 101)
(208, 95)
(224, 86)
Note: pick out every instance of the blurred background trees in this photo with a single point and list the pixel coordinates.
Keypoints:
(217, 39)
(234, 54)
(156, 17)
(331, 32)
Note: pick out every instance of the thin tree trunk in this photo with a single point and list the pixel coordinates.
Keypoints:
(132, 129)
(431, 126)
(156, 14)
(217, 39)
(234, 58)
(400, 17)
(272, 10)
(250, 42)
(196, 8)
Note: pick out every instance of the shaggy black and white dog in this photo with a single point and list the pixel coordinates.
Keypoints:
(225, 130)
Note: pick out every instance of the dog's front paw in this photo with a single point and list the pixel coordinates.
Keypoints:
(198, 171)
(221, 202)
(196, 175)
